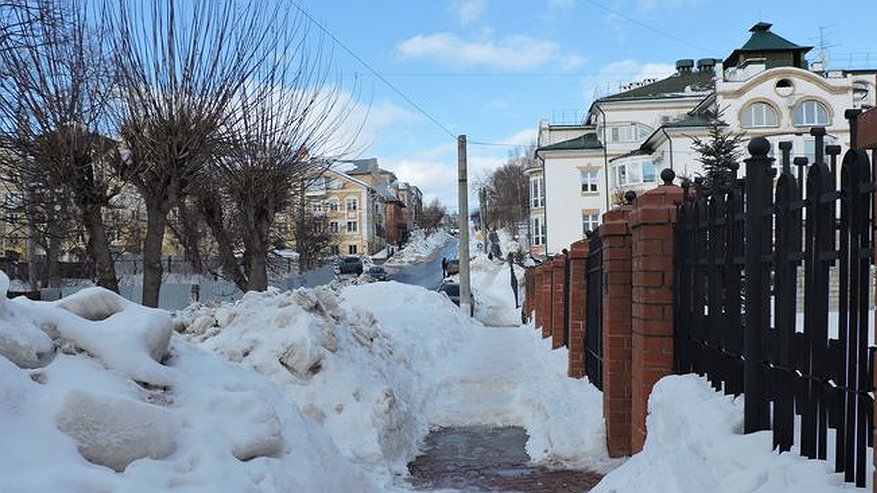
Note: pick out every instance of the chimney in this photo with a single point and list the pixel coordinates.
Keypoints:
(706, 64)
(684, 65)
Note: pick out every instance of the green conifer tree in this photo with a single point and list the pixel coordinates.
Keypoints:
(717, 153)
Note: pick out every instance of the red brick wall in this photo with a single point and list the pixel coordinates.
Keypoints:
(558, 267)
(578, 255)
(617, 330)
(651, 225)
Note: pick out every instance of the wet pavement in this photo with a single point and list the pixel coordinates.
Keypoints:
(478, 459)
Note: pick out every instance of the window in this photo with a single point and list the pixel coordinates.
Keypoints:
(351, 249)
(351, 226)
(627, 133)
(351, 204)
(759, 115)
(537, 192)
(590, 221)
(333, 206)
(333, 227)
(538, 231)
(810, 113)
(634, 173)
(589, 181)
(318, 227)
(318, 207)
(334, 250)
(650, 172)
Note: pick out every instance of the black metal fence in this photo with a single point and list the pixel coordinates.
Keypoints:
(594, 311)
(739, 254)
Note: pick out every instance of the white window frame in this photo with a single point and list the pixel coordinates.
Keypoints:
(538, 231)
(758, 115)
(590, 181)
(801, 116)
(333, 226)
(334, 205)
(352, 249)
(590, 222)
(348, 202)
(537, 192)
(352, 226)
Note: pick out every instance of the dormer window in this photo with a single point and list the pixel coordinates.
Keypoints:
(809, 113)
(759, 115)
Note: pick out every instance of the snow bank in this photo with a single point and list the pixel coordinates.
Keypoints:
(336, 363)
(97, 395)
(695, 444)
(420, 248)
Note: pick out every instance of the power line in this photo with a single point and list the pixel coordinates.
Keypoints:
(372, 70)
(649, 27)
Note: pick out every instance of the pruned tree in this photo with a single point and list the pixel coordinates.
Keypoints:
(181, 68)
(433, 214)
(292, 112)
(717, 153)
(54, 96)
(313, 238)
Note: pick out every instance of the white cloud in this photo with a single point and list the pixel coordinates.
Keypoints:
(515, 52)
(468, 10)
(631, 70)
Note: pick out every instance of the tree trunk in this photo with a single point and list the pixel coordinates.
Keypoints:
(190, 238)
(156, 221)
(257, 260)
(104, 268)
(213, 218)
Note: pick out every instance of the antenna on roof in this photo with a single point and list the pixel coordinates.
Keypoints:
(824, 45)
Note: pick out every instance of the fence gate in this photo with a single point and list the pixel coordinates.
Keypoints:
(594, 311)
(741, 255)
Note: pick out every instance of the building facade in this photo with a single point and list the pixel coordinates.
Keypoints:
(764, 88)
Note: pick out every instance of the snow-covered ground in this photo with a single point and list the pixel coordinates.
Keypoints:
(331, 389)
(421, 247)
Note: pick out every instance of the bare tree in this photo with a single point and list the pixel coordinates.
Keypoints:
(54, 95)
(181, 68)
(505, 199)
(432, 216)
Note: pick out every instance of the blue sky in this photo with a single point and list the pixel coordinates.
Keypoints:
(492, 69)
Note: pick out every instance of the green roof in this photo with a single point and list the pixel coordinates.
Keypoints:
(763, 40)
(677, 85)
(586, 141)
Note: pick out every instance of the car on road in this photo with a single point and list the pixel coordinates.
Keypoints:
(377, 273)
(451, 289)
(452, 267)
(350, 265)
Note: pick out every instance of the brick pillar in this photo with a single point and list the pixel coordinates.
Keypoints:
(616, 330)
(537, 297)
(544, 307)
(578, 257)
(558, 267)
(651, 226)
(529, 292)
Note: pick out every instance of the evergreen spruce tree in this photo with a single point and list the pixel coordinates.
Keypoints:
(717, 153)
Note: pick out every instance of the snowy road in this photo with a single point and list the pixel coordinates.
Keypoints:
(427, 274)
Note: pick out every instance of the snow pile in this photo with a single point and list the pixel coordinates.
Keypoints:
(336, 363)
(96, 394)
(492, 288)
(472, 375)
(695, 444)
(421, 247)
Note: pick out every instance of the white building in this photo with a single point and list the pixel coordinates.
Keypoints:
(764, 88)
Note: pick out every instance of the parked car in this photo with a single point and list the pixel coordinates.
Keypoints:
(451, 267)
(377, 273)
(451, 289)
(350, 265)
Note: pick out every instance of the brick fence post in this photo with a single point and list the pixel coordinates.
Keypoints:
(537, 297)
(616, 238)
(544, 307)
(578, 258)
(529, 293)
(651, 225)
(558, 268)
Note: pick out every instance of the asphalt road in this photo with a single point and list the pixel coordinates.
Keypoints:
(426, 274)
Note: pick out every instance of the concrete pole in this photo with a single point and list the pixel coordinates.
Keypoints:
(463, 219)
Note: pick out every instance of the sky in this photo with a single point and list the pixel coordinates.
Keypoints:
(425, 71)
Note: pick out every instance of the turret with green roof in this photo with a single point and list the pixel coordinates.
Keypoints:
(775, 50)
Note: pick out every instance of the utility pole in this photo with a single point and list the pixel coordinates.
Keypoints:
(463, 223)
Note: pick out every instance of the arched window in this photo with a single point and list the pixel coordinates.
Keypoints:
(759, 115)
(810, 113)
